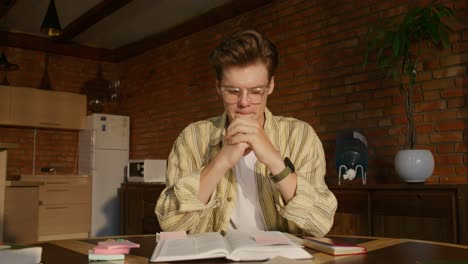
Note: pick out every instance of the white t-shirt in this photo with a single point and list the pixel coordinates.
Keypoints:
(247, 214)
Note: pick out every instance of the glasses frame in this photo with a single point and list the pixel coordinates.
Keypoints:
(248, 91)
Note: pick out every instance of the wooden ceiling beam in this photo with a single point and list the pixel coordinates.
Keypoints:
(64, 46)
(215, 16)
(25, 41)
(5, 6)
(91, 17)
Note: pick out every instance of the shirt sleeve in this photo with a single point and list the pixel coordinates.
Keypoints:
(313, 207)
(178, 206)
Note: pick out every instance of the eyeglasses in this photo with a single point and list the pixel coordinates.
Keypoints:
(254, 95)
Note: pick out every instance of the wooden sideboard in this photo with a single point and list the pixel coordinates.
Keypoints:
(42, 208)
(137, 203)
(415, 211)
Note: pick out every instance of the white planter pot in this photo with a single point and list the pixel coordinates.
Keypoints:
(414, 165)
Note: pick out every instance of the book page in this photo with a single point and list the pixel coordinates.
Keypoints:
(236, 239)
(243, 246)
(201, 246)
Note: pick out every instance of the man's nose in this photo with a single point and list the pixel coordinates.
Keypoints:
(244, 98)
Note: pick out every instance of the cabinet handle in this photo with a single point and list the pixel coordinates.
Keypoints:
(49, 124)
(56, 207)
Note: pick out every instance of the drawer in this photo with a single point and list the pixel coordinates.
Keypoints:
(352, 202)
(414, 203)
(57, 180)
(67, 194)
(64, 219)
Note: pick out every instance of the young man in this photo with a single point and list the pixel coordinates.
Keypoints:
(246, 169)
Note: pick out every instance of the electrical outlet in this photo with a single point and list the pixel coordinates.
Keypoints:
(47, 169)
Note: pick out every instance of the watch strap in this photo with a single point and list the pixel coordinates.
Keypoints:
(289, 168)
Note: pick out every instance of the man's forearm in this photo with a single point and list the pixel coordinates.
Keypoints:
(288, 186)
(209, 178)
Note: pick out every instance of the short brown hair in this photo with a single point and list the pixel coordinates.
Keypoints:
(242, 49)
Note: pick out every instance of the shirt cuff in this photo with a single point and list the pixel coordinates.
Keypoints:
(186, 191)
(304, 197)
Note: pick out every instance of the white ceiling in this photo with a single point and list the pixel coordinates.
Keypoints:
(133, 22)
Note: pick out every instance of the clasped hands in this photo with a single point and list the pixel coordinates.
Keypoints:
(244, 135)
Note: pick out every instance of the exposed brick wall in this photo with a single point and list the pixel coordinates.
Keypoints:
(320, 80)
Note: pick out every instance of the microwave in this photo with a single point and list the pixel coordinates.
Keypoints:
(147, 170)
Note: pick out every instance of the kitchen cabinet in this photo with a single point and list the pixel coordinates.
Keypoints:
(42, 208)
(417, 211)
(137, 203)
(4, 104)
(43, 108)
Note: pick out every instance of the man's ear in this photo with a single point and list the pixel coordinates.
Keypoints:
(218, 87)
(272, 85)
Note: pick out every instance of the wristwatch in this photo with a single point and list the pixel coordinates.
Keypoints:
(285, 172)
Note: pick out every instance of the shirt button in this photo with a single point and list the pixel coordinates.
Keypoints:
(229, 199)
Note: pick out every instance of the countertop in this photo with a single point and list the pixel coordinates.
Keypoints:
(23, 184)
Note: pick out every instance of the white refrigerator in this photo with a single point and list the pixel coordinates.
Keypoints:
(103, 154)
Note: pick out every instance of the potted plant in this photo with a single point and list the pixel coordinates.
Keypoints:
(397, 47)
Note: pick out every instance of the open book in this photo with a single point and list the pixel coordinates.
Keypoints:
(236, 245)
(332, 246)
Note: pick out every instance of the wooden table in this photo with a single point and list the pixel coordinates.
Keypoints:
(380, 250)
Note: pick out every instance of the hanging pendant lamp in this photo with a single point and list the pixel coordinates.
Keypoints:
(51, 24)
(6, 66)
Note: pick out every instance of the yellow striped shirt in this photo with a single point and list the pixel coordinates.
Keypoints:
(310, 211)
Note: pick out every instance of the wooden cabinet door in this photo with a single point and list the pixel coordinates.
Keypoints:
(26, 106)
(69, 110)
(150, 197)
(138, 201)
(21, 215)
(353, 214)
(4, 104)
(131, 211)
(51, 109)
(62, 220)
(423, 214)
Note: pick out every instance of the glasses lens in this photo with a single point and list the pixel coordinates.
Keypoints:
(254, 95)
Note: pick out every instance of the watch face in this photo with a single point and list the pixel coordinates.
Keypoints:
(288, 163)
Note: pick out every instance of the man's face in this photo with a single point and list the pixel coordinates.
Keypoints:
(248, 81)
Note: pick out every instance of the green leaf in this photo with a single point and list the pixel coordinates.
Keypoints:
(396, 45)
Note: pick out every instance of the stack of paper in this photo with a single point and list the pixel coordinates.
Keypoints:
(20, 255)
(111, 250)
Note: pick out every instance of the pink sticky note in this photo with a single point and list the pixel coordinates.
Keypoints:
(172, 235)
(117, 244)
(110, 251)
(271, 239)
